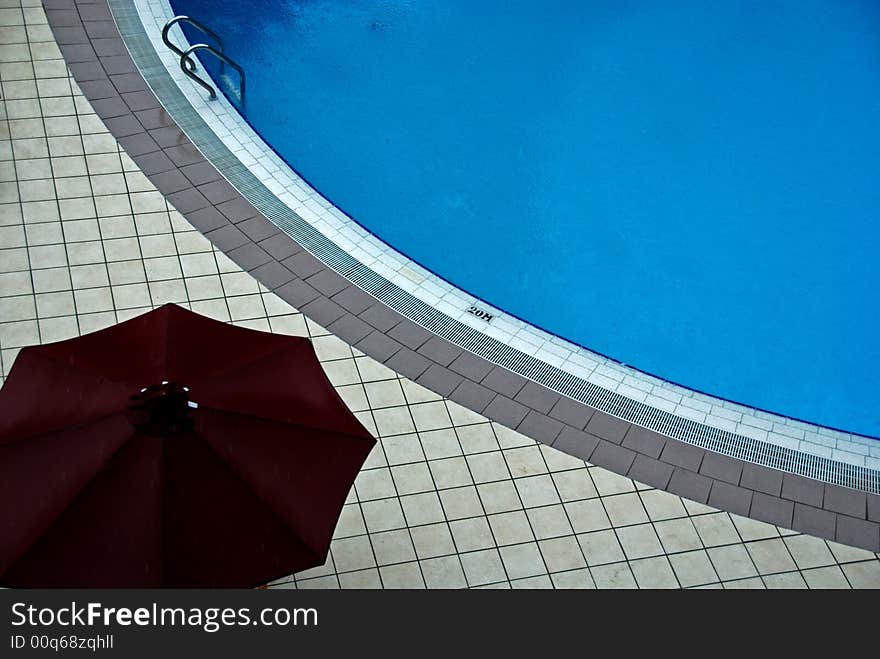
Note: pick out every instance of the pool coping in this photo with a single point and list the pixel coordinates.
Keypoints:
(101, 63)
(230, 125)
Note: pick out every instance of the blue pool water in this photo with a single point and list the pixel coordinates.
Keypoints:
(689, 187)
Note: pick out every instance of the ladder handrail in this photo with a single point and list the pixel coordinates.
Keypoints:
(196, 24)
(184, 58)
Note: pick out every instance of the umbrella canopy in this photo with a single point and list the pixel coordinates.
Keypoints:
(171, 450)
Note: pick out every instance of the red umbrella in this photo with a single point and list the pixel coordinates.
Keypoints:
(171, 450)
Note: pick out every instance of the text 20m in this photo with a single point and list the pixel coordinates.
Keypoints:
(480, 313)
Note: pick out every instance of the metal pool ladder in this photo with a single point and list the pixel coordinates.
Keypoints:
(187, 63)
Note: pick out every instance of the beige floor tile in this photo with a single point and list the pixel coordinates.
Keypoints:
(477, 438)
(122, 273)
(525, 461)
(361, 580)
(430, 416)
(511, 528)
(326, 347)
(383, 515)
(846, 554)
(461, 502)
(372, 484)
(732, 562)
(615, 575)
(541, 582)
(384, 393)
(865, 574)
(21, 307)
(558, 461)
(392, 547)
(406, 575)
(693, 568)
(654, 573)
(716, 529)
(752, 529)
(678, 535)
(439, 444)
(413, 478)
(341, 372)
(450, 472)
(394, 421)
(19, 333)
(574, 579)
(825, 578)
(444, 572)
(15, 283)
(433, 540)
(488, 467)
(662, 505)
(472, 534)
(770, 556)
(416, 393)
(608, 483)
(55, 304)
(522, 561)
(785, 580)
(625, 509)
(809, 552)
(483, 567)
(639, 541)
(549, 521)
(536, 491)
(58, 329)
(399, 449)
(753, 583)
(85, 253)
(292, 324)
(330, 582)
(600, 547)
(352, 395)
(561, 554)
(508, 438)
(587, 515)
(461, 416)
(351, 522)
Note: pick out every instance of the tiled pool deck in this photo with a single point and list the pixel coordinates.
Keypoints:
(449, 498)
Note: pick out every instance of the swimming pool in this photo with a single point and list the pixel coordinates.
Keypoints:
(687, 189)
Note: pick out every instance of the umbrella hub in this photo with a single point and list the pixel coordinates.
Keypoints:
(161, 409)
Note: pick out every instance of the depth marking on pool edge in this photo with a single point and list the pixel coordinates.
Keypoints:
(709, 438)
(482, 314)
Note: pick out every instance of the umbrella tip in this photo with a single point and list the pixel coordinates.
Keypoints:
(161, 409)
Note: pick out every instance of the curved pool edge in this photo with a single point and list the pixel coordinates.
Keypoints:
(124, 101)
(550, 350)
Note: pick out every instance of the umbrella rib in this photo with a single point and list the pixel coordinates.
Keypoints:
(294, 424)
(161, 556)
(71, 501)
(53, 358)
(337, 434)
(47, 433)
(167, 337)
(228, 370)
(284, 522)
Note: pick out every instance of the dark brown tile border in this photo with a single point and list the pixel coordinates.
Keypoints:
(100, 63)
